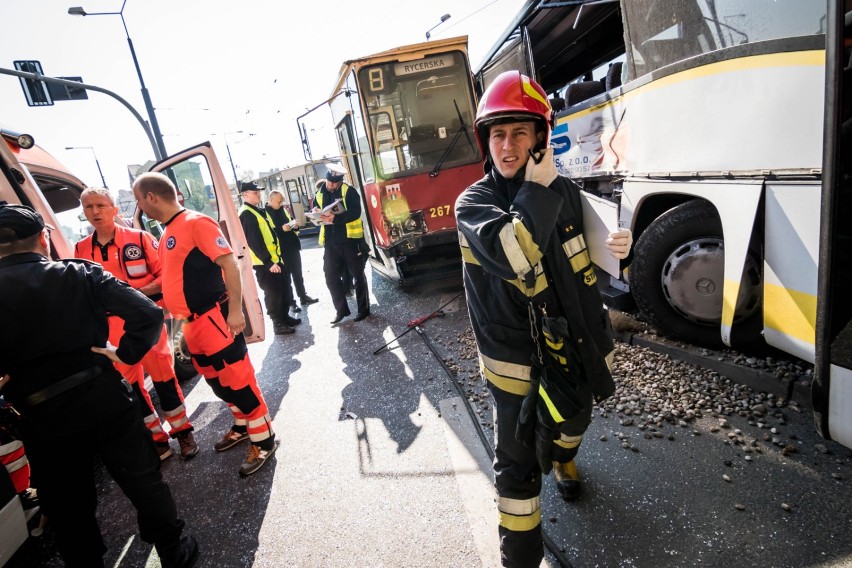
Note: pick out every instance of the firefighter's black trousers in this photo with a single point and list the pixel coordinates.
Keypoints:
(64, 435)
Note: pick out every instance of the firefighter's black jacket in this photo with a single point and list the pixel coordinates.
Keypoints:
(54, 312)
(522, 240)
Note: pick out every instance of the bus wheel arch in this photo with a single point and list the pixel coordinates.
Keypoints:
(677, 276)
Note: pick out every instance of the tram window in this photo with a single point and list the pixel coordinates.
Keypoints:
(422, 115)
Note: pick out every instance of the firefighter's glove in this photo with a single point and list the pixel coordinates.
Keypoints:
(557, 403)
(544, 438)
(541, 169)
(619, 242)
(525, 430)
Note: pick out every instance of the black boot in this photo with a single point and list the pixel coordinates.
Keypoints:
(181, 554)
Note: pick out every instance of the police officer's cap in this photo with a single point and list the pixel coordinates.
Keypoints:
(334, 173)
(19, 222)
(249, 186)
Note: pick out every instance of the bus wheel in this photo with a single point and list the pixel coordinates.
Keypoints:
(677, 277)
(184, 369)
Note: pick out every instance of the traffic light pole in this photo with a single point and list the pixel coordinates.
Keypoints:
(158, 153)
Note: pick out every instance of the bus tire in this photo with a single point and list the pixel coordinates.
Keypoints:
(677, 277)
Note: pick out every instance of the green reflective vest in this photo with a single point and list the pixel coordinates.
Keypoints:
(265, 225)
(354, 229)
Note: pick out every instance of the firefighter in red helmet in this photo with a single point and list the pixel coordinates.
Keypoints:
(544, 338)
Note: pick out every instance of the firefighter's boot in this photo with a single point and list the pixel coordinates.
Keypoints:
(567, 480)
(180, 554)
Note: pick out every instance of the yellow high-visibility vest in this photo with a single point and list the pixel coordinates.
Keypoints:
(354, 229)
(265, 225)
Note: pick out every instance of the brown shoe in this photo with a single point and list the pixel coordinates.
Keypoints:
(188, 447)
(256, 458)
(164, 450)
(229, 440)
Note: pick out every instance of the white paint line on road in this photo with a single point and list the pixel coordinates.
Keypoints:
(473, 474)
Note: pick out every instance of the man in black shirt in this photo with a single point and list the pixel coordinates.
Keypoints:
(59, 377)
(287, 231)
(266, 260)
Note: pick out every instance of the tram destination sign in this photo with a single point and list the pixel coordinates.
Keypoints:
(423, 65)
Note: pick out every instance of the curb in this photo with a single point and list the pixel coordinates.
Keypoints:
(757, 380)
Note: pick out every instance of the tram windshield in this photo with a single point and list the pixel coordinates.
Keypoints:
(661, 33)
(420, 113)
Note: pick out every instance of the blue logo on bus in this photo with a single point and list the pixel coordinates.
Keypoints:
(559, 139)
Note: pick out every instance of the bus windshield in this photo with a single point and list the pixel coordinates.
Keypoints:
(420, 114)
(661, 33)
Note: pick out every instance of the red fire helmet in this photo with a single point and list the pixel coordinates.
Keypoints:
(512, 97)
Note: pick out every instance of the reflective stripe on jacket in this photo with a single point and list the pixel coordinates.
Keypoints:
(354, 229)
(522, 242)
(264, 223)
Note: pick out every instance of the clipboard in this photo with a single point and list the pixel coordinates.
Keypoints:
(600, 218)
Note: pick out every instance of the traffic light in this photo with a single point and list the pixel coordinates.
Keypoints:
(36, 92)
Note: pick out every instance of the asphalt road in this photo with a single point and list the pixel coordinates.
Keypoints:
(379, 465)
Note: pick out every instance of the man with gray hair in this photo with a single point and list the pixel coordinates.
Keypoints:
(132, 256)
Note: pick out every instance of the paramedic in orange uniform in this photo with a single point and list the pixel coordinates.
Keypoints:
(131, 255)
(201, 285)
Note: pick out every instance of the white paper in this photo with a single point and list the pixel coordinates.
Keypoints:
(600, 218)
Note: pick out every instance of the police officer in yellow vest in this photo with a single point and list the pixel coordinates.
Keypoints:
(341, 234)
(266, 259)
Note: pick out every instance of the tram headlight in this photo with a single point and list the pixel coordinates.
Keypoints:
(410, 225)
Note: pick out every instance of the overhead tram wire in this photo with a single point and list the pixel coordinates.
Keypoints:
(548, 541)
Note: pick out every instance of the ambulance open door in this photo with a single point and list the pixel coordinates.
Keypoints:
(202, 187)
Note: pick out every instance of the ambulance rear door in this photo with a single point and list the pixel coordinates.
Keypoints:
(202, 187)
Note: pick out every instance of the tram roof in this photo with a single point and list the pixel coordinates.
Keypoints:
(399, 53)
(568, 37)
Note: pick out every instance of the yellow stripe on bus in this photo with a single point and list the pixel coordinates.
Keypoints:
(812, 58)
(790, 312)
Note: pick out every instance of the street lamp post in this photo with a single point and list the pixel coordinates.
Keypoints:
(97, 163)
(444, 18)
(79, 11)
(230, 159)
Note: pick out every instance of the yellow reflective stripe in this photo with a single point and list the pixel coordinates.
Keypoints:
(467, 256)
(518, 506)
(550, 406)
(522, 372)
(580, 261)
(520, 523)
(559, 359)
(790, 312)
(555, 345)
(513, 251)
(525, 239)
(574, 246)
(568, 442)
(610, 359)
(529, 90)
(508, 377)
(539, 286)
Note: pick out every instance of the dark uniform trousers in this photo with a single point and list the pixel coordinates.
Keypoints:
(106, 425)
(293, 266)
(276, 293)
(337, 258)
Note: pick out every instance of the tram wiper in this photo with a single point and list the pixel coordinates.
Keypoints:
(456, 136)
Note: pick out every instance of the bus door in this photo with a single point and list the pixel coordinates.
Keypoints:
(832, 386)
(202, 187)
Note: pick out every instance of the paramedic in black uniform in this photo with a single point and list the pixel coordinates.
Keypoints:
(58, 374)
